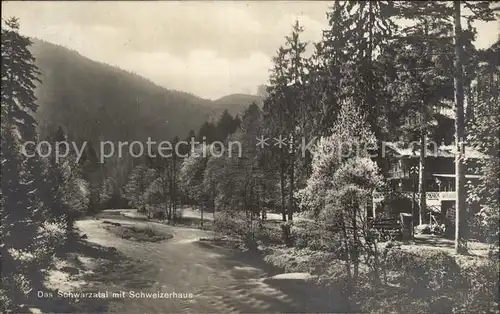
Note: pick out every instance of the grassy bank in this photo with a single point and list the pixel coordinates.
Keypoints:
(418, 277)
(133, 233)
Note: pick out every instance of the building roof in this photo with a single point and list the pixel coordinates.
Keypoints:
(452, 175)
(413, 151)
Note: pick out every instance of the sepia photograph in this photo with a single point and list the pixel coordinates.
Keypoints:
(250, 157)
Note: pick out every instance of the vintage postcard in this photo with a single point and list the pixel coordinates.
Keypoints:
(250, 157)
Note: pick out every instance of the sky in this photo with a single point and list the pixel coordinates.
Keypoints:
(209, 48)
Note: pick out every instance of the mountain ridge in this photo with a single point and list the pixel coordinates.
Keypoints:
(82, 95)
(236, 103)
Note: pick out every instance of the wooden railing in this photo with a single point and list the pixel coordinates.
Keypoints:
(442, 196)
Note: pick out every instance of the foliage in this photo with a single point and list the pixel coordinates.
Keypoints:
(286, 228)
(30, 228)
(358, 30)
(191, 173)
(441, 283)
(286, 116)
(236, 179)
(484, 134)
(226, 223)
(268, 234)
(308, 236)
(350, 137)
(422, 63)
(113, 101)
(163, 180)
(143, 234)
(482, 283)
(107, 191)
(135, 190)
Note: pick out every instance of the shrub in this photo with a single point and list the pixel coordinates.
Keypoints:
(485, 225)
(142, 234)
(179, 213)
(286, 228)
(433, 282)
(307, 236)
(225, 223)
(424, 273)
(482, 286)
(5, 300)
(302, 260)
(269, 235)
(250, 239)
(158, 215)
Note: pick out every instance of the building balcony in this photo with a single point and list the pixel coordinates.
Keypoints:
(431, 196)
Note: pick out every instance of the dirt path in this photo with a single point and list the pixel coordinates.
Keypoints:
(220, 280)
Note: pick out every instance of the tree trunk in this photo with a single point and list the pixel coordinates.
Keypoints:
(292, 186)
(423, 141)
(165, 198)
(377, 264)
(414, 201)
(245, 202)
(202, 207)
(421, 174)
(213, 199)
(282, 184)
(166, 209)
(70, 220)
(349, 282)
(460, 215)
(251, 226)
(174, 190)
(355, 249)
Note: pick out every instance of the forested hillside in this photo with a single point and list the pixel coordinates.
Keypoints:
(237, 103)
(89, 99)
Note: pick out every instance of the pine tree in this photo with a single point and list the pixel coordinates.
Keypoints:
(23, 213)
(297, 111)
(483, 133)
(207, 132)
(70, 192)
(348, 66)
(136, 187)
(174, 185)
(358, 31)
(274, 117)
(423, 83)
(285, 110)
(480, 11)
(326, 65)
(234, 180)
(19, 74)
(431, 66)
(225, 126)
(191, 177)
(92, 173)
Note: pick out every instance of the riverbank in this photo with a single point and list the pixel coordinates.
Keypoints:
(220, 279)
